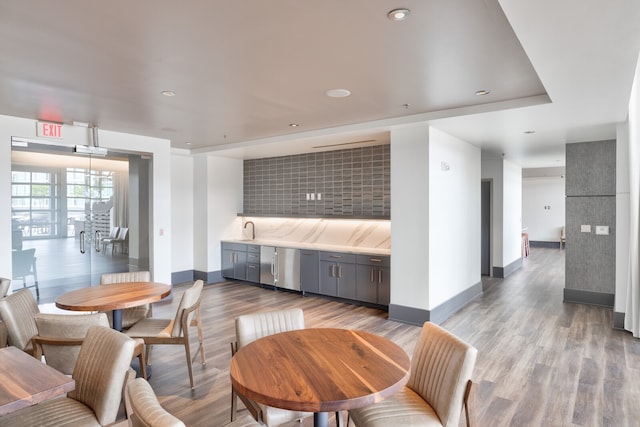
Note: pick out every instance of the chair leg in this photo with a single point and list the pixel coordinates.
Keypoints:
(187, 351)
(203, 360)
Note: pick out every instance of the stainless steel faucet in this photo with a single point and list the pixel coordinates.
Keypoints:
(253, 229)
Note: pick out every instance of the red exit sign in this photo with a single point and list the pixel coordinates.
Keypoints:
(49, 130)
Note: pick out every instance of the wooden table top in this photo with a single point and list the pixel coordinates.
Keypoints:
(113, 297)
(319, 370)
(25, 381)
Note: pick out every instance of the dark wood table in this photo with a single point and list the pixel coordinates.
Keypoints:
(113, 297)
(319, 370)
(25, 381)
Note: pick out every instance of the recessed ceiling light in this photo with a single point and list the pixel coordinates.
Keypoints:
(338, 93)
(529, 131)
(398, 14)
(293, 125)
(482, 92)
(406, 106)
(187, 143)
(168, 93)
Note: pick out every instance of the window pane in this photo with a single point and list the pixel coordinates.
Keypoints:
(20, 190)
(40, 190)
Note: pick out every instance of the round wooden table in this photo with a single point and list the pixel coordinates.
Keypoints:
(113, 297)
(319, 370)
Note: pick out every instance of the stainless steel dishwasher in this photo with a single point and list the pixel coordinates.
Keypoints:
(280, 267)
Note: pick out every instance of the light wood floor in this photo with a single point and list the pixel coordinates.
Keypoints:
(541, 362)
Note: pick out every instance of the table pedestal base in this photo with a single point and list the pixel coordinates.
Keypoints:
(321, 419)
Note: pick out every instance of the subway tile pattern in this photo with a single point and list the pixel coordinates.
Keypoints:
(351, 183)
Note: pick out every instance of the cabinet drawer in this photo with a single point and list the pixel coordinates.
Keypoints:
(240, 247)
(375, 260)
(338, 257)
(253, 257)
(253, 248)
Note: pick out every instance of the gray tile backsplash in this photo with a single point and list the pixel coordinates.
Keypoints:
(351, 183)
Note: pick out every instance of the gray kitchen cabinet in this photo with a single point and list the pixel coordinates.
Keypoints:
(253, 263)
(337, 275)
(373, 279)
(309, 270)
(234, 260)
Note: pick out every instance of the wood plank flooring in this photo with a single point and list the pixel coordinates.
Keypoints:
(541, 362)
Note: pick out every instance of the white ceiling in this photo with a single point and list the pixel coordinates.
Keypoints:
(244, 70)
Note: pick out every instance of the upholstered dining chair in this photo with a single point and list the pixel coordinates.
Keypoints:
(24, 265)
(99, 374)
(143, 408)
(105, 241)
(5, 285)
(17, 311)
(250, 327)
(133, 314)
(438, 390)
(175, 331)
(60, 336)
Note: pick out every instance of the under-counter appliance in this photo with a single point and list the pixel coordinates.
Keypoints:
(280, 267)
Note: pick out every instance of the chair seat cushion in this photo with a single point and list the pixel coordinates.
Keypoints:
(151, 328)
(59, 412)
(405, 408)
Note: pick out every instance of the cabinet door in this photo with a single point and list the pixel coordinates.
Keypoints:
(346, 275)
(253, 272)
(240, 267)
(309, 271)
(384, 285)
(367, 283)
(227, 263)
(328, 283)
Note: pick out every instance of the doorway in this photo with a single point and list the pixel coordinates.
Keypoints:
(485, 263)
(64, 207)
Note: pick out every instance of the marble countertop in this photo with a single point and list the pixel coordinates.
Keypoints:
(313, 246)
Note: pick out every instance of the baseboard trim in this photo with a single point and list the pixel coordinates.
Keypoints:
(445, 310)
(417, 316)
(599, 299)
(182, 277)
(618, 320)
(410, 315)
(502, 272)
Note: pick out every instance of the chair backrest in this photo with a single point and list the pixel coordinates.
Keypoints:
(133, 314)
(5, 285)
(250, 327)
(113, 232)
(122, 234)
(23, 262)
(127, 276)
(17, 311)
(101, 370)
(65, 326)
(190, 299)
(441, 366)
(146, 411)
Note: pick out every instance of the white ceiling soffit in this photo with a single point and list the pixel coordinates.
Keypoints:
(243, 71)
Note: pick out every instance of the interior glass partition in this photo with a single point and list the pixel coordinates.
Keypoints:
(65, 206)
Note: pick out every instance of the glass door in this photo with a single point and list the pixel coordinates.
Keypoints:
(64, 208)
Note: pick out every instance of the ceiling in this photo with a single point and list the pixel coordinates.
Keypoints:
(243, 71)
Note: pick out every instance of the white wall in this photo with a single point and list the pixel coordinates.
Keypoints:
(537, 192)
(159, 148)
(491, 169)
(224, 196)
(454, 217)
(512, 213)
(182, 210)
(410, 217)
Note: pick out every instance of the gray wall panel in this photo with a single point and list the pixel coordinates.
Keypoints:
(590, 190)
(591, 169)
